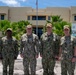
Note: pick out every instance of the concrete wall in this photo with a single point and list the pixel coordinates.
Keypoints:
(15, 14)
(4, 11)
(73, 13)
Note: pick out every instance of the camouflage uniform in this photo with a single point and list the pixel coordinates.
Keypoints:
(29, 49)
(67, 46)
(9, 50)
(49, 47)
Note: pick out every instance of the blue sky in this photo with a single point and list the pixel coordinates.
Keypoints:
(41, 3)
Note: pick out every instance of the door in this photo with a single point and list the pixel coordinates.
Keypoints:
(40, 31)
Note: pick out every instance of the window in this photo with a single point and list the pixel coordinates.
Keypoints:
(28, 17)
(39, 17)
(33, 17)
(49, 17)
(2, 17)
(75, 18)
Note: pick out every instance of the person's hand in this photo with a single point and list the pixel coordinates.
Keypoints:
(37, 56)
(56, 57)
(59, 58)
(73, 59)
(40, 55)
(21, 55)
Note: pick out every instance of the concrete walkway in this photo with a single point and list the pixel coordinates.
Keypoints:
(18, 69)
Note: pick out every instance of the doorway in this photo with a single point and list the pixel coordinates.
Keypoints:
(40, 31)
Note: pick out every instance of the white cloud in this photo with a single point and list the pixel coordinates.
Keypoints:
(12, 2)
(23, 0)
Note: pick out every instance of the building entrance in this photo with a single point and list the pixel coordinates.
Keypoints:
(40, 31)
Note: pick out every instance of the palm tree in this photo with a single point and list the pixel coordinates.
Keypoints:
(17, 27)
(58, 24)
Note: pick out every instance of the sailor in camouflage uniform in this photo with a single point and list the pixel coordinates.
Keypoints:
(9, 51)
(49, 49)
(67, 52)
(29, 50)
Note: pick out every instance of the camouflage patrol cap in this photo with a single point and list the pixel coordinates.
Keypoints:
(49, 25)
(66, 27)
(9, 29)
(29, 26)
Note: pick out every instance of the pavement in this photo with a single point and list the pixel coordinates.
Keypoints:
(18, 67)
